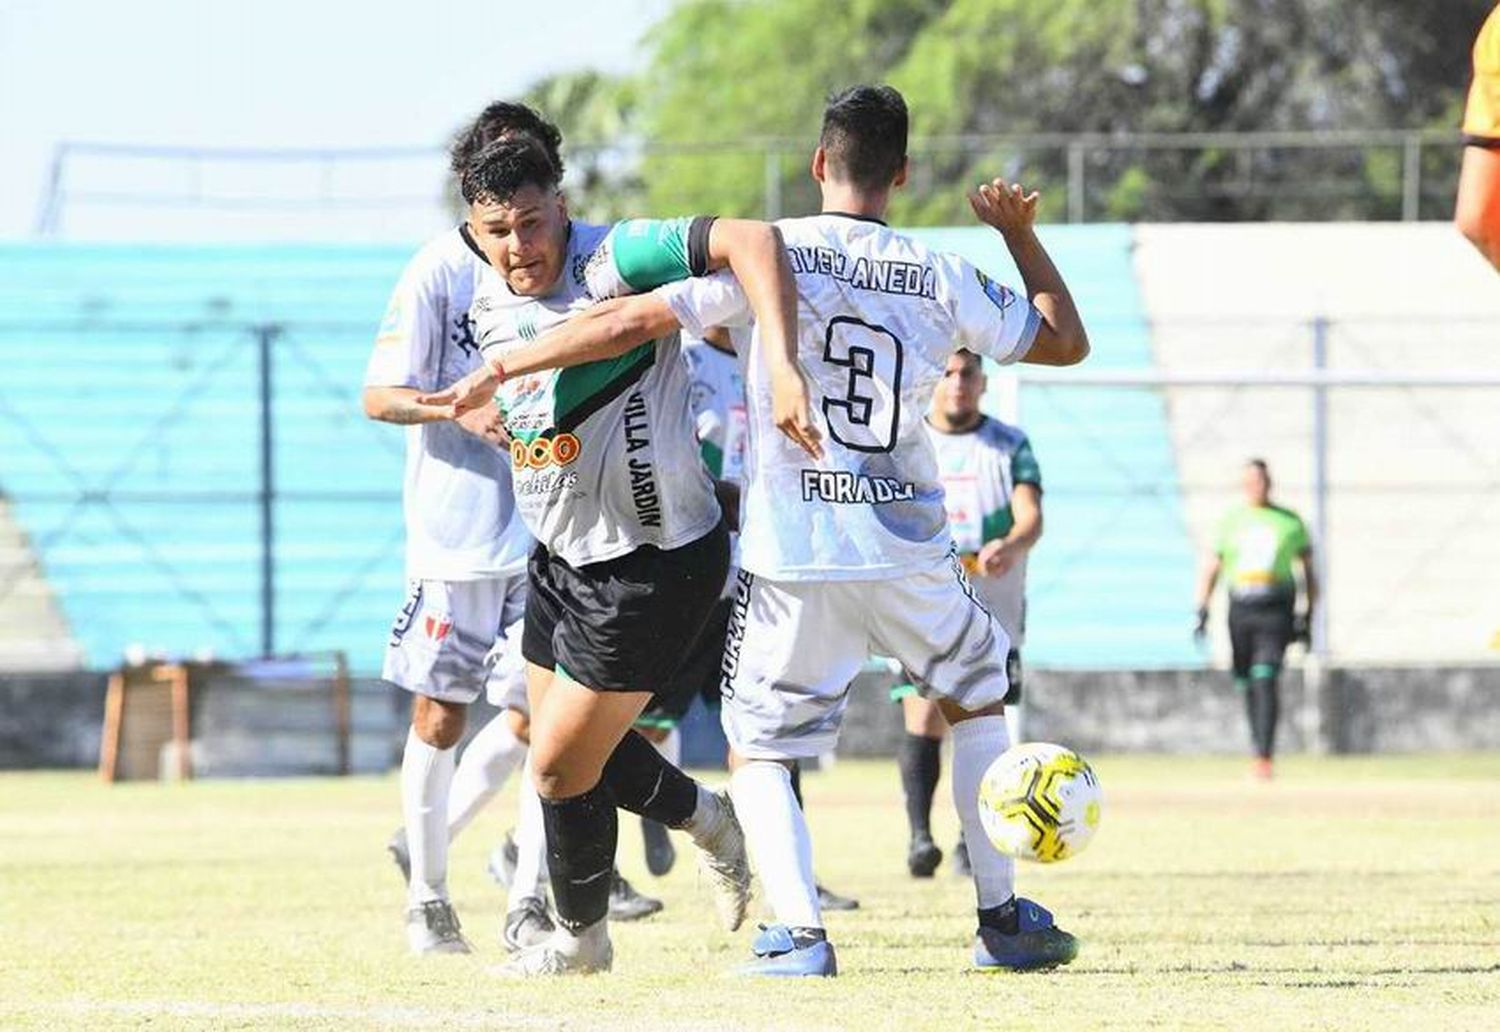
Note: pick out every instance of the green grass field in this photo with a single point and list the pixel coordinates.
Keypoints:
(1350, 893)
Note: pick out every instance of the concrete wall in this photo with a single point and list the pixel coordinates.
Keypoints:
(54, 720)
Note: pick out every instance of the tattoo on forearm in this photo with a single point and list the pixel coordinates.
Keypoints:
(405, 412)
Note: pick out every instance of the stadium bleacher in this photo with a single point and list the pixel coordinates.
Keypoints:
(129, 449)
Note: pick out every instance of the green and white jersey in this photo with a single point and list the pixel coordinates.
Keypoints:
(1257, 544)
(604, 455)
(980, 470)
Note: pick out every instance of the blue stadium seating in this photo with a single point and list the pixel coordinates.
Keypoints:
(131, 372)
(1111, 584)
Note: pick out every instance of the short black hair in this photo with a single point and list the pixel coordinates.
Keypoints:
(501, 119)
(505, 166)
(970, 357)
(1260, 464)
(864, 135)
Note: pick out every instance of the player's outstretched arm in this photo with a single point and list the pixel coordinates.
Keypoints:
(756, 254)
(1477, 213)
(607, 330)
(403, 406)
(1062, 340)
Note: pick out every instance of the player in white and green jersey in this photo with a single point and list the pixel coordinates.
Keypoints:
(631, 550)
(992, 491)
(846, 545)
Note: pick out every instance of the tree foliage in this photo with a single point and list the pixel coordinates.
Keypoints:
(724, 76)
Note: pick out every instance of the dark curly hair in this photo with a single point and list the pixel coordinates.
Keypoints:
(498, 120)
(505, 166)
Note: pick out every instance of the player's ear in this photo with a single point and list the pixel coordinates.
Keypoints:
(820, 165)
(562, 205)
(900, 179)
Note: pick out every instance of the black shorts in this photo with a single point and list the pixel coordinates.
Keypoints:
(1259, 633)
(699, 676)
(626, 624)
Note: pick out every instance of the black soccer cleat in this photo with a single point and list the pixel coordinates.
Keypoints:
(923, 856)
(626, 904)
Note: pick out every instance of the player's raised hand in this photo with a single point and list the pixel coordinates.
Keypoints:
(791, 409)
(1005, 206)
(468, 394)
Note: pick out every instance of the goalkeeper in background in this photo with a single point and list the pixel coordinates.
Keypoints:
(1256, 546)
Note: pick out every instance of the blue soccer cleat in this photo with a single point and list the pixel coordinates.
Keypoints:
(776, 953)
(1037, 943)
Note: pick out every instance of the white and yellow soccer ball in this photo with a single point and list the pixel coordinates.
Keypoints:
(1040, 801)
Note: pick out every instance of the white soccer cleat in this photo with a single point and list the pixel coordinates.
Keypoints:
(432, 927)
(564, 954)
(722, 860)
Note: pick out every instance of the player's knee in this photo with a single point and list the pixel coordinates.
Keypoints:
(439, 724)
(558, 775)
(956, 714)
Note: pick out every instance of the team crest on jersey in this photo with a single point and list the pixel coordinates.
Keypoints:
(437, 625)
(1002, 297)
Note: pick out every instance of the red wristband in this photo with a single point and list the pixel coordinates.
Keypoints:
(496, 368)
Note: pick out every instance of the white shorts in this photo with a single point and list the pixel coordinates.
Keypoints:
(794, 646)
(454, 639)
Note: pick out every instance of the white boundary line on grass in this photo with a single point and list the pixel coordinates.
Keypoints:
(389, 1014)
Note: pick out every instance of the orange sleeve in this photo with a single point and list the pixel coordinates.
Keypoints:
(1482, 115)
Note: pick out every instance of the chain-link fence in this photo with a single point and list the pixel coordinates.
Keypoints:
(183, 489)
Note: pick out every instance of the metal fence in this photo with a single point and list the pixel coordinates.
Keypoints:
(112, 190)
(227, 494)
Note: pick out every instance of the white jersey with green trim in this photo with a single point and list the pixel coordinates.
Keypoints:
(604, 455)
(461, 521)
(980, 469)
(879, 314)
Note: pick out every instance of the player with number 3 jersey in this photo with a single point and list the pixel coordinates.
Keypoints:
(845, 544)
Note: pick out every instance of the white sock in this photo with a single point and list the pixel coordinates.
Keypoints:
(490, 757)
(670, 747)
(1015, 722)
(976, 743)
(780, 846)
(426, 773)
(530, 880)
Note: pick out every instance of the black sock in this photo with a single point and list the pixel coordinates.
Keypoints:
(804, 937)
(1262, 702)
(921, 764)
(797, 784)
(581, 834)
(642, 781)
(1005, 918)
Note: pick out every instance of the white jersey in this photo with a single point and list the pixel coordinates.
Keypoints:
(461, 522)
(604, 454)
(879, 315)
(980, 469)
(718, 400)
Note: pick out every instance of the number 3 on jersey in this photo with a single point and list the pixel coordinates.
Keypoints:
(864, 417)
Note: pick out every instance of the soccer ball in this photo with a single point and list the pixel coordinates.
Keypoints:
(1040, 801)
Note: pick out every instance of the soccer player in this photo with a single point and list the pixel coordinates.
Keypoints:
(458, 633)
(846, 548)
(992, 491)
(1478, 210)
(1256, 546)
(632, 550)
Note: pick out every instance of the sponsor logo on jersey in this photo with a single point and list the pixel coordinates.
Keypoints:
(643, 489)
(844, 488)
(437, 625)
(909, 279)
(1002, 297)
(542, 452)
